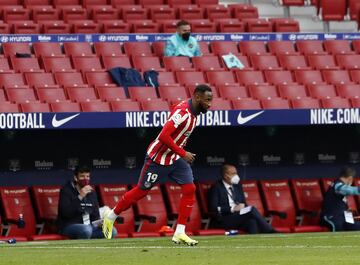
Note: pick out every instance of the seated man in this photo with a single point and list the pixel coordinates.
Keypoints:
(79, 216)
(181, 43)
(335, 212)
(227, 202)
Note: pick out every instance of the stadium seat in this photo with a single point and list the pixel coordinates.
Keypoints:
(25, 64)
(166, 79)
(172, 93)
(145, 63)
(49, 49)
(12, 80)
(217, 78)
(189, 12)
(116, 61)
(202, 26)
(125, 105)
(246, 104)
(338, 47)
(355, 76)
(285, 25)
(133, 12)
(81, 94)
(144, 26)
(99, 12)
(348, 90)
(57, 64)
(138, 48)
(250, 77)
(84, 26)
(275, 103)
(206, 2)
(49, 95)
(44, 13)
(155, 105)
(336, 77)
(293, 2)
(158, 48)
(4, 66)
(217, 11)
(2, 96)
(167, 25)
(202, 190)
(220, 104)
(190, 78)
(333, 10)
(91, 3)
(4, 28)
(114, 26)
(142, 93)
(354, 9)
(34, 107)
(322, 91)
(282, 47)
(355, 102)
(109, 195)
(206, 63)
(103, 49)
(348, 62)
(321, 62)
(7, 107)
(40, 80)
(252, 47)
(65, 106)
(10, 49)
(78, 49)
(224, 47)
(307, 47)
(233, 92)
(305, 103)
(69, 79)
(204, 48)
(279, 77)
(305, 77)
(244, 60)
(54, 27)
(293, 62)
(11, 13)
(292, 91)
(24, 27)
(95, 106)
(157, 12)
(230, 25)
(20, 95)
(109, 93)
(242, 11)
(87, 64)
(99, 79)
(257, 25)
(177, 63)
(265, 62)
(252, 195)
(73, 12)
(335, 103)
(66, 2)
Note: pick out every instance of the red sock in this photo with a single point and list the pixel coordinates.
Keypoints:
(186, 202)
(129, 198)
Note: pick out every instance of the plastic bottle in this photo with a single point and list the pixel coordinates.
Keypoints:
(21, 221)
(231, 232)
(9, 241)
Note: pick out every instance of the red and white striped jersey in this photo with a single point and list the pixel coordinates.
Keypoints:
(184, 122)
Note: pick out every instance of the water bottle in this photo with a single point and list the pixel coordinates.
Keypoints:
(231, 232)
(21, 222)
(9, 241)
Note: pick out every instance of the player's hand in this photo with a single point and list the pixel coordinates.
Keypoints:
(85, 190)
(238, 207)
(189, 157)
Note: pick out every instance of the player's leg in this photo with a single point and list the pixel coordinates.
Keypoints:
(182, 174)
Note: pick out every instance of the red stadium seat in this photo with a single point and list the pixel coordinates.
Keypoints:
(355, 75)
(206, 63)
(84, 26)
(2, 96)
(90, 3)
(220, 78)
(244, 60)
(133, 12)
(34, 107)
(10, 49)
(66, 2)
(292, 91)
(30, 3)
(155, 105)
(81, 94)
(285, 25)
(4, 66)
(252, 195)
(257, 25)
(204, 48)
(335, 103)
(100, 12)
(11, 13)
(65, 106)
(109, 93)
(307, 47)
(305, 103)
(356, 46)
(12, 80)
(233, 92)
(230, 25)
(8, 107)
(116, 61)
(206, 2)
(242, 11)
(145, 26)
(172, 93)
(44, 13)
(322, 91)
(282, 47)
(336, 77)
(4, 28)
(179, 2)
(246, 104)
(217, 11)
(24, 27)
(49, 95)
(161, 12)
(87, 64)
(108, 49)
(202, 26)
(57, 64)
(220, 104)
(348, 62)
(21, 95)
(99, 79)
(348, 90)
(355, 102)
(308, 77)
(78, 49)
(114, 26)
(166, 79)
(142, 93)
(190, 12)
(49, 49)
(145, 63)
(167, 25)
(117, 3)
(275, 103)
(124, 105)
(293, 62)
(110, 195)
(338, 47)
(177, 63)
(25, 64)
(354, 6)
(138, 48)
(73, 12)
(40, 80)
(190, 78)
(158, 48)
(263, 91)
(69, 79)
(333, 10)
(54, 27)
(293, 2)
(95, 106)
(321, 62)
(279, 77)
(250, 77)
(252, 47)
(224, 47)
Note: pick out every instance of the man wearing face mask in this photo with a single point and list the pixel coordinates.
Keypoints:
(78, 212)
(227, 202)
(182, 43)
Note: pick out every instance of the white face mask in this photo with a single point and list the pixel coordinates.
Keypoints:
(235, 179)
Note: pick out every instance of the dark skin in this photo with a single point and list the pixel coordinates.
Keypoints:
(201, 103)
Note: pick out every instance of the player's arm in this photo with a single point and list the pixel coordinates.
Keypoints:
(68, 206)
(345, 190)
(169, 49)
(215, 206)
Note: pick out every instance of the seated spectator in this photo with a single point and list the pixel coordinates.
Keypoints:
(181, 43)
(227, 202)
(79, 216)
(335, 213)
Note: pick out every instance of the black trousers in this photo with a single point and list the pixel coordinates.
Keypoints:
(338, 223)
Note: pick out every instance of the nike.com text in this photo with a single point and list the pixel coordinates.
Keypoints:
(335, 116)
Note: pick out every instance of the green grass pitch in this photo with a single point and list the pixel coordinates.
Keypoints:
(311, 248)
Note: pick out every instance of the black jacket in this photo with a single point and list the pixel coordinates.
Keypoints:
(71, 208)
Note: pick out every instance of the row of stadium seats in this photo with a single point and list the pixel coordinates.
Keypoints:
(298, 204)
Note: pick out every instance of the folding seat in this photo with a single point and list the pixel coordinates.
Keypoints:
(40, 80)
(347, 61)
(243, 59)
(99, 79)
(137, 48)
(116, 61)
(230, 25)
(246, 104)
(356, 46)
(285, 25)
(90, 3)
(12, 81)
(179, 2)
(257, 25)
(220, 104)
(81, 94)
(49, 95)
(73, 12)
(152, 213)
(84, 26)
(309, 77)
(66, 2)
(263, 91)
(57, 64)
(242, 11)
(149, 3)
(305, 103)
(282, 47)
(65, 106)
(355, 75)
(265, 62)
(338, 47)
(20, 95)
(161, 12)
(293, 2)
(87, 64)
(69, 79)
(202, 190)
(10, 49)
(335, 103)
(95, 106)
(25, 64)
(134, 12)
(4, 28)
(307, 47)
(204, 48)
(252, 195)
(114, 26)
(250, 77)
(158, 48)
(189, 12)
(217, 11)
(119, 3)
(4, 66)
(322, 91)
(108, 93)
(54, 27)
(166, 79)
(232, 92)
(11, 13)
(50, 49)
(44, 13)
(348, 90)
(336, 77)
(125, 105)
(167, 26)
(108, 49)
(155, 105)
(333, 10)
(252, 47)
(145, 63)
(206, 2)
(2, 96)
(172, 93)
(34, 107)
(207, 63)
(202, 26)
(177, 63)
(78, 49)
(308, 201)
(24, 27)
(32, 3)
(109, 195)
(103, 12)
(221, 78)
(6, 107)
(190, 78)
(293, 62)
(354, 6)
(142, 93)
(279, 77)
(322, 62)
(143, 26)
(275, 103)
(355, 102)
(292, 91)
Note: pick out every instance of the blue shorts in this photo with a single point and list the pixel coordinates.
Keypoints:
(180, 171)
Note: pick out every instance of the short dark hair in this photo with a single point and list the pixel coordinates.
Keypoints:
(81, 169)
(182, 23)
(202, 89)
(225, 167)
(347, 172)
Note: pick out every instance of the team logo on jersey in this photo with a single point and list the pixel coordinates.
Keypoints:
(177, 118)
(190, 46)
(147, 184)
(187, 134)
